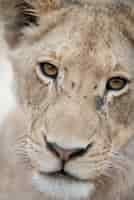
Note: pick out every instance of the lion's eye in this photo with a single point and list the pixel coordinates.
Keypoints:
(49, 70)
(116, 83)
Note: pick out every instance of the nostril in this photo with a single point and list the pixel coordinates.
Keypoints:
(81, 151)
(73, 84)
(51, 147)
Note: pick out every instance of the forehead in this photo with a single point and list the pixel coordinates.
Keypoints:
(85, 33)
(87, 37)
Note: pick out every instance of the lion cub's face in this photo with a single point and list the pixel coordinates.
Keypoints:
(75, 83)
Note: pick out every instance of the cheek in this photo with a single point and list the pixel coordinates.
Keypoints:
(121, 113)
(36, 91)
(31, 91)
(121, 110)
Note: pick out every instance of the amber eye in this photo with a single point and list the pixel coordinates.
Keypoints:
(116, 83)
(49, 70)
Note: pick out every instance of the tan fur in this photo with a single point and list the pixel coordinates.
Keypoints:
(89, 42)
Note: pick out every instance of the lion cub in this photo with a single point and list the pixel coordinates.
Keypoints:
(71, 135)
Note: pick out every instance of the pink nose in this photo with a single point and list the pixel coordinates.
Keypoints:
(65, 154)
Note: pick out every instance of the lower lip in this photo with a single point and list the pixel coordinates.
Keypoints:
(48, 184)
(64, 175)
(57, 175)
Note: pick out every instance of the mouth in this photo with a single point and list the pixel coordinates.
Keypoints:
(62, 184)
(61, 175)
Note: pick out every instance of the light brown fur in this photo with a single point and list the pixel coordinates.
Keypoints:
(89, 42)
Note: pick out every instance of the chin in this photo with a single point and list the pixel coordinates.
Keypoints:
(63, 187)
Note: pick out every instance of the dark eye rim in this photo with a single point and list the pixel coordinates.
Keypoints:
(42, 69)
(125, 82)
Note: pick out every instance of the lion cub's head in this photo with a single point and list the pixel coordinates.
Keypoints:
(74, 69)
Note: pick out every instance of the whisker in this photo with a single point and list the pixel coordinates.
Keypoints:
(22, 137)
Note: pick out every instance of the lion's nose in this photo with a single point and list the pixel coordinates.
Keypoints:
(65, 154)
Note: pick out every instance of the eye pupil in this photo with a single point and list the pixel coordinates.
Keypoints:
(49, 70)
(116, 83)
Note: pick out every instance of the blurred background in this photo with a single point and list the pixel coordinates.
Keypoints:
(7, 100)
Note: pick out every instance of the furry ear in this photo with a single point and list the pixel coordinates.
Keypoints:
(18, 14)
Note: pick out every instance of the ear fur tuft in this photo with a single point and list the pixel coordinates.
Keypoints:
(17, 14)
(43, 5)
(25, 9)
